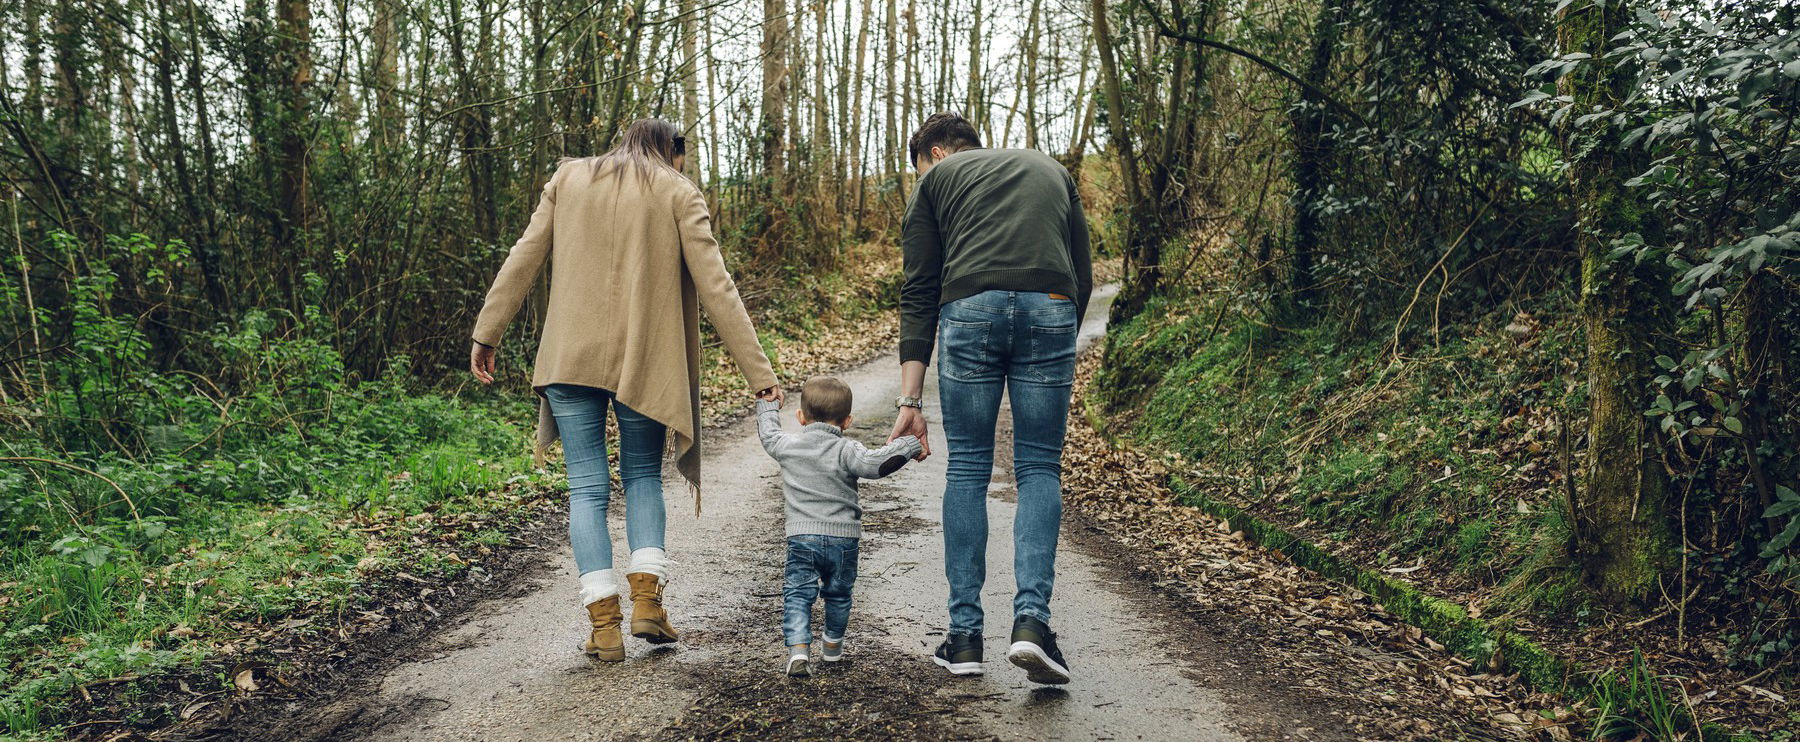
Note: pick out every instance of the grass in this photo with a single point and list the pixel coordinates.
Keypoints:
(150, 520)
(111, 599)
(1418, 455)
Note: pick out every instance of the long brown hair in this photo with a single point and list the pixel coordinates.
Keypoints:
(647, 144)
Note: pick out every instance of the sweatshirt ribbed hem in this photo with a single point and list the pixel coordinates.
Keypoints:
(916, 350)
(1007, 279)
(842, 529)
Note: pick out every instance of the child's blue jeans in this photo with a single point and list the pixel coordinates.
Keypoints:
(817, 565)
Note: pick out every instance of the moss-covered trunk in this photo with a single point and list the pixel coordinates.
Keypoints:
(1623, 540)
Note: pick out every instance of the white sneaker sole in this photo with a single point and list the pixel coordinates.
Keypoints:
(1038, 666)
(958, 668)
(799, 667)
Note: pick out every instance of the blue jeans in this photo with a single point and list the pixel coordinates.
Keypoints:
(1022, 343)
(581, 420)
(817, 565)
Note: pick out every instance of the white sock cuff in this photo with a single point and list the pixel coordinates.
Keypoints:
(598, 584)
(650, 560)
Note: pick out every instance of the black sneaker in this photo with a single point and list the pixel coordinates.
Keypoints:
(960, 654)
(1034, 649)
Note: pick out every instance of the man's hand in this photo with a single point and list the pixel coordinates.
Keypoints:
(911, 421)
(481, 362)
(772, 394)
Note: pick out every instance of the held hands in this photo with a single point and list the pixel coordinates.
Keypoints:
(772, 394)
(481, 362)
(911, 421)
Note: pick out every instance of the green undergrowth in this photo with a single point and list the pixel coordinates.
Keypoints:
(152, 520)
(1448, 453)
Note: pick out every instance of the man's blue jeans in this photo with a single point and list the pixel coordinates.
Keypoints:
(817, 566)
(580, 413)
(1022, 343)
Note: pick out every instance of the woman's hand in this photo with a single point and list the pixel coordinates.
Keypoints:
(481, 361)
(772, 394)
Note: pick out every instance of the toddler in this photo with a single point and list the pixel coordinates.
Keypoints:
(819, 471)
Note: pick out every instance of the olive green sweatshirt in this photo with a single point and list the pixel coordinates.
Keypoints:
(984, 220)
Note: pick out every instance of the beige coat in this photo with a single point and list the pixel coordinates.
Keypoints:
(632, 257)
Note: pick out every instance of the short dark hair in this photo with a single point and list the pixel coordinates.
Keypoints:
(945, 129)
(825, 399)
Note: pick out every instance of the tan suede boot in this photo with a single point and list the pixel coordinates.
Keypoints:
(605, 643)
(648, 619)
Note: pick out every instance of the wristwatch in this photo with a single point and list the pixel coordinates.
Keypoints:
(905, 401)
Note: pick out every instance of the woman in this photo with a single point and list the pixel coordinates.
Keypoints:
(634, 250)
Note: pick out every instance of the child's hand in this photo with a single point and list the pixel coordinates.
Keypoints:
(772, 394)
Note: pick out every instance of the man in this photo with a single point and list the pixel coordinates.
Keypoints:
(997, 268)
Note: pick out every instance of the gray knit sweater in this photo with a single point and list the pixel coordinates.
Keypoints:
(819, 471)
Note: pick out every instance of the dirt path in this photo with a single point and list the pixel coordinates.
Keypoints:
(512, 669)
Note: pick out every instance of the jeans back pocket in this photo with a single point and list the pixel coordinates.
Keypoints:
(1052, 358)
(963, 348)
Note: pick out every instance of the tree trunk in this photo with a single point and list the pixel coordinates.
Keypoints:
(774, 93)
(819, 142)
(1085, 97)
(206, 252)
(622, 77)
(1165, 168)
(34, 58)
(1142, 245)
(909, 94)
(774, 124)
(892, 144)
(385, 74)
(293, 166)
(941, 100)
(474, 130)
(1312, 154)
(690, 87)
(976, 112)
(1033, 34)
(713, 139)
(1622, 536)
(855, 166)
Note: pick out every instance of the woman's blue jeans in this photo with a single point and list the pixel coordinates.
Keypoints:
(1021, 343)
(581, 420)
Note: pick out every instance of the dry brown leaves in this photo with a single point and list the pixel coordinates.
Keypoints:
(1388, 680)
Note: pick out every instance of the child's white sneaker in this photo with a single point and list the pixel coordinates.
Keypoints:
(799, 665)
(832, 650)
